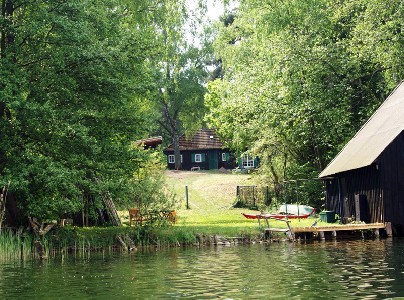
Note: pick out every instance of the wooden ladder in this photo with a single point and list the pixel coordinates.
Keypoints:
(111, 209)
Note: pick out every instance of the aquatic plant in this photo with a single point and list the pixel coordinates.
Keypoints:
(14, 244)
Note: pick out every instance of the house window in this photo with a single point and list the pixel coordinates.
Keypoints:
(171, 159)
(198, 157)
(224, 156)
(248, 162)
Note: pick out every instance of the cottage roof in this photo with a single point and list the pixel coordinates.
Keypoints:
(202, 139)
(374, 136)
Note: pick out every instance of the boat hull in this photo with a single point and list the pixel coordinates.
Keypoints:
(275, 216)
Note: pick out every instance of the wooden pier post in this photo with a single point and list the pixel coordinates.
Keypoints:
(321, 235)
(389, 229)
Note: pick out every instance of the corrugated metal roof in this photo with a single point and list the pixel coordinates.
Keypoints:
(371, 140)
(202, 139)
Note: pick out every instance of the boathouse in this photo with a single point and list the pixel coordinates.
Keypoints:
(203, 151)
(365, 181)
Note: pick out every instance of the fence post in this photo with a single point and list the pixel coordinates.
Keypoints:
(186, 195)
(253, 195)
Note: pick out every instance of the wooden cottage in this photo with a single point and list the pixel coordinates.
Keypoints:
(202, 151)
(365, 181)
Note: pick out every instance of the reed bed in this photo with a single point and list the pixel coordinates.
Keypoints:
(14, 245)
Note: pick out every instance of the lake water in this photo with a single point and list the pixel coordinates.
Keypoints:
(319, 270)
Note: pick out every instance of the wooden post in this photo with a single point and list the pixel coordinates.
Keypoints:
(253, 195)
(237, 194)
(321, 235)
(389, 229)
(186, 196)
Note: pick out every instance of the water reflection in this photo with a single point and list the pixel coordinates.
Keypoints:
(351, 269)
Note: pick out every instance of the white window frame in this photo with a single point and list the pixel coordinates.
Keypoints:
(171, 159)
(224, 156)
(198, 158)
(247, 161)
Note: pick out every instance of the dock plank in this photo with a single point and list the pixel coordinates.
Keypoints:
(277, 229)
(348, 227)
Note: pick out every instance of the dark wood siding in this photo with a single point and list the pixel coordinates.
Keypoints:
(214, 155)
(229, 163)
(392, 169)
(341, 192)
(382, 183)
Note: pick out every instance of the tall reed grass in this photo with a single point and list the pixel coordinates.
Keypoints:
(14, 245)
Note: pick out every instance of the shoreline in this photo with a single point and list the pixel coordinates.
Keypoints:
(127, 239)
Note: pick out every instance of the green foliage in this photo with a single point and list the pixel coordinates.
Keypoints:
(148, 189)
(73, 77)
(301, 78)
(180, 72)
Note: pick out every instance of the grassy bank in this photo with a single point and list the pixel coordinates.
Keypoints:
(209, 219)
(211, 195)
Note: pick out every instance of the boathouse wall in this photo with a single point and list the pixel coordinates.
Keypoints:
(391, 163)
(380, 186)
(345, 188)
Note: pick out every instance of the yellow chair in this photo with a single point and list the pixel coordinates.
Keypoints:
(135, 215)
(172, 217)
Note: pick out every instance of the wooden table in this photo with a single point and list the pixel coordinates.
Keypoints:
(158, 217)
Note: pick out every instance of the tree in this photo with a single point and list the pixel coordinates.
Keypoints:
(301, 78)
(72, 74)
(180, 75)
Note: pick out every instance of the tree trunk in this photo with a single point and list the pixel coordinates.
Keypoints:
(3, 199)
(177, 154)
(315, 147)
(39, 230)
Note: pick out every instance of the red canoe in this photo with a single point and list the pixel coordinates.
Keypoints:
(275, 216)
(291, 211)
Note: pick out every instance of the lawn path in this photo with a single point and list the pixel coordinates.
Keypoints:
(207, 190)
(211, 195)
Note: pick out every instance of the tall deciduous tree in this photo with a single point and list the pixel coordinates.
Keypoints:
(70, 74)
(301, 77)
(181, 73)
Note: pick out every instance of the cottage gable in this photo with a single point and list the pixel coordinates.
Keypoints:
(202, 139)
(374, 136)
(203, 151)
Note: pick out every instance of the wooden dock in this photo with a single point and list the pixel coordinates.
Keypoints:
(347, 227)
(321, 231)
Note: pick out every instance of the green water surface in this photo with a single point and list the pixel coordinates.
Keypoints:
(320, 270)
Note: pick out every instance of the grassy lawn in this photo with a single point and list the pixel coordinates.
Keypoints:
(210, 197)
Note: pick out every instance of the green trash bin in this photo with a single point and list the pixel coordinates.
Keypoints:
(327, 216)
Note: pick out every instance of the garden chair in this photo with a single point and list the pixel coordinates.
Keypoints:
(172, 217)
(135, 216)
